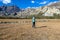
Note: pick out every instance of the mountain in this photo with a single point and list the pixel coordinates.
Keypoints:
(47, 10)
(29, 11)
(8, 10)
(14, 11)
(57, 5)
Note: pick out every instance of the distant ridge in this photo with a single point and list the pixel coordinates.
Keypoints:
(14, 11)
(8, 10)
(57, 5)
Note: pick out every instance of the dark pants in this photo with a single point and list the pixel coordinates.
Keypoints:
(33, 25)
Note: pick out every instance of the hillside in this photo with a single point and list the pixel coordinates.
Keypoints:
(57, 5)
(14, 11)
(8, 10)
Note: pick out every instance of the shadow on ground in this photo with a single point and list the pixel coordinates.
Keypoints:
(41, 27)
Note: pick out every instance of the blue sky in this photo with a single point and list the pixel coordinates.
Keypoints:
(27, 3)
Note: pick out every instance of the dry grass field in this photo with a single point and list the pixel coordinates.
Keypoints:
(21, 29)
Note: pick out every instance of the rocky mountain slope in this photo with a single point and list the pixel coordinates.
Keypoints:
(47, 10)
(8, 10)
(17, 12)
(57, 5)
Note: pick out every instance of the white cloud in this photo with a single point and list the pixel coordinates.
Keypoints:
(32, 7)
(32, 1)
(52, 2)
(43, 2)
(6, 1)
(28, 7)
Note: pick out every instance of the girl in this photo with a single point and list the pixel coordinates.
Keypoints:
(33, 21)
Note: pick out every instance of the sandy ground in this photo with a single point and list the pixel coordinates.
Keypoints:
(21, 29)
